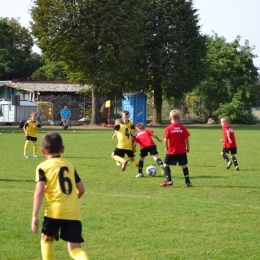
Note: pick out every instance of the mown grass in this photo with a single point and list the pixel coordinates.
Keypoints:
(128, 218)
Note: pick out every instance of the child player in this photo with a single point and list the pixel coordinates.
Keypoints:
(176, 142)
(124, 145)
(229, 143)
(30, 129)
(57, 178)
(144, 138)
(129, 124)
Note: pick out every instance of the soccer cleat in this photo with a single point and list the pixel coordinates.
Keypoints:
(237, 168)
(26, 156)
(188, 184)
(35, 156)
(124, 165)
(229, 164)
(139, 175)
(166, 183)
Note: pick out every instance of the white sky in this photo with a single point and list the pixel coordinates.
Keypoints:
(227, 18)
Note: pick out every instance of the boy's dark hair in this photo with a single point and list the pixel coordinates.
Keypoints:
(52, 143)
(126, 112)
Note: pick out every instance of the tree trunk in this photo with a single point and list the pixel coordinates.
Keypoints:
(104, 111)
(95, 119)
(157, 111)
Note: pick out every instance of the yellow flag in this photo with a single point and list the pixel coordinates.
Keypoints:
(107, 103)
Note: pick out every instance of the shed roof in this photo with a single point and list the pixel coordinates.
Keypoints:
(46, 86)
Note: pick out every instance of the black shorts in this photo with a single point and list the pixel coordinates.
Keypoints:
(231, 150)
(122, 152)
(30, 138)
(151, 149)
(173, 159)
(70, 230)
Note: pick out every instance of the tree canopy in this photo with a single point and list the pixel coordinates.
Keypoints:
(123, 45)
(17, 59)
(231, 84)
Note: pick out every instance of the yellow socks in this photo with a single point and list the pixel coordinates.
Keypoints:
(35, 148)
(25, 149)
(119, 159)
(79, 254)
(47, 250)
(135, 164)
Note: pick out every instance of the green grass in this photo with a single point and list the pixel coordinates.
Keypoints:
(130, 218)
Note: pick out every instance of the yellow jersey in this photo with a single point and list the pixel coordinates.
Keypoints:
(60, 179)
(124, 137)
(31, 131)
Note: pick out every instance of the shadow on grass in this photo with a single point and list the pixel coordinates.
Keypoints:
(9, 180)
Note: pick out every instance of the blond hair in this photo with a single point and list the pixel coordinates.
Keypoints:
(225, 119)
(175, 114)
(140, 126)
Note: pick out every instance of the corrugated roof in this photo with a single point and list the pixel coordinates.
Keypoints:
(46, 87)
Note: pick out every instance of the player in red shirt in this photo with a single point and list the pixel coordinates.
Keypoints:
(144, 138)
(229, 143)
(176, 142)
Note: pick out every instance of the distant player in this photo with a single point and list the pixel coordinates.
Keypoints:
(30, 128)
(144, 138)
(58, 180)
(229, 143)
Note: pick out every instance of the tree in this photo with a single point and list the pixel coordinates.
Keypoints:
(96, 40)
(17, 60)
(173, 59)
(231, 79)
(49, 70)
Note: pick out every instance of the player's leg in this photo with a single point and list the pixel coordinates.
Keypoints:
(140, 167)
(186, 175)
(35, 149)
(225, 157)
(25, 149)
(47, 247)
(76, 252)
(160, 163)
(234, 159)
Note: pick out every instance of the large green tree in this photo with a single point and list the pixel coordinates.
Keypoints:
(96, 40)
(16, 58)
(230, 86)
(173, 59)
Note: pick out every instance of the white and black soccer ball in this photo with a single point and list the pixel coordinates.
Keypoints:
(151, 170)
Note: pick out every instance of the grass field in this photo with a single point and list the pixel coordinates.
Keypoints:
(130, 218)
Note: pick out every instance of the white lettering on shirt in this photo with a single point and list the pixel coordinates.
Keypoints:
(176, 130)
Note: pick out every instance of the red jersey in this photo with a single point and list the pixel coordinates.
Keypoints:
(226, 143)
(176, 134)
(144, 138)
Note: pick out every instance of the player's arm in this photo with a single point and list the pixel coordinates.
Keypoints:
(37, 202)
(24, 128)
(228, 136)
(187, 141)
(166, 143)
(80, 189)
(39, 127)
(156, 137)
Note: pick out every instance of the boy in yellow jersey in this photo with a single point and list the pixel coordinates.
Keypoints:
(129, 124)
(57, 179)
(124, 145)
(30, 128)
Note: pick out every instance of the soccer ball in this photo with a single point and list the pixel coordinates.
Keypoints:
(151, 170)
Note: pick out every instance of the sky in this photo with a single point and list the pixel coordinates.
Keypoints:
(227, 18)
